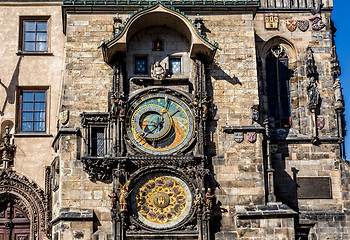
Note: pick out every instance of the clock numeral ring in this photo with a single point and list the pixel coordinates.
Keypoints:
(159, 122)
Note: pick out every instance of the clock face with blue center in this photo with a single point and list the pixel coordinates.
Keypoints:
(159, 123)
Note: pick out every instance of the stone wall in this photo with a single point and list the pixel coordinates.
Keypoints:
(238, 167)
(30, 71)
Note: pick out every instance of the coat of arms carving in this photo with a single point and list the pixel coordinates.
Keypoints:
(303, 25)
(271, 21)
(251, 136)
(317, 23)
(291, 25)
(321, 123)
(64, 117)
(239, 137)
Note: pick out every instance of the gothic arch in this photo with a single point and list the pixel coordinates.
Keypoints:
(275, 80)
(278, 40)
(30, 197)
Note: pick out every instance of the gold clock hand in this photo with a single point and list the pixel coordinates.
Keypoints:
(175, 113)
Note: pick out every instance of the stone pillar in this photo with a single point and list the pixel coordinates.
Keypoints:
(270, 171)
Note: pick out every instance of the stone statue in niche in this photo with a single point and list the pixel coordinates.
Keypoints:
(313, 94)
(310, 63)
(6, 148)
(158, 71)
(114, 105)
(338, 94)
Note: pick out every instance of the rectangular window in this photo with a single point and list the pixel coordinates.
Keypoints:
(174, 65)
(33, 111)
(98, 142)
(140, 64)
(34, 35)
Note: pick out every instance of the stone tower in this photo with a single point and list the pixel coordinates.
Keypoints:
(174, 120)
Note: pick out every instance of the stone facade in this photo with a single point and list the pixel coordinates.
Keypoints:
(244, 102)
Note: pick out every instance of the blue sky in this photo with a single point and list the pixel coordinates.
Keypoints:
(340, 16)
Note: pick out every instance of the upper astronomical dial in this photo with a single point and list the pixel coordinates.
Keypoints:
(159, 123)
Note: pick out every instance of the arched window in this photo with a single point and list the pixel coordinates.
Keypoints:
(277, 86)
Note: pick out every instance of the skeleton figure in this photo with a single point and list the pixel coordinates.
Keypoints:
(205, 105)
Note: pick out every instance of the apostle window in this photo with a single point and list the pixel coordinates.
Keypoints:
(141, 64)
(33, 111)
(174, 65)
(277, 87)
(34, 35)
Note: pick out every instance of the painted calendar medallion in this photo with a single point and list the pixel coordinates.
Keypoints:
(161, 200)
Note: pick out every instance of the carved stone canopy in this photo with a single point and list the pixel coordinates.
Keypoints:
(159, 15)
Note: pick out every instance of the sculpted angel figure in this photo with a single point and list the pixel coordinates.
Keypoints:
(124, 194)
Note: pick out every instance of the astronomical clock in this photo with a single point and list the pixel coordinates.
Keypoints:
(159, 106)
(159, 123)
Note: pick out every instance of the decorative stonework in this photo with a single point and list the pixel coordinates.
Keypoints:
(30, 197)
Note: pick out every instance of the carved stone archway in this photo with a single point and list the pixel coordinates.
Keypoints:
(29, 197)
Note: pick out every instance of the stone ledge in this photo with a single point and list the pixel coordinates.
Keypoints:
(183, 235)
(312, 217)
(67, 131)
(233, 129)
(276, 210)
(35, 135)
(74, 215)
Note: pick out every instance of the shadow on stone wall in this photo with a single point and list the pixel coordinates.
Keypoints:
(285, 185)
(220, 75)
(11, 88)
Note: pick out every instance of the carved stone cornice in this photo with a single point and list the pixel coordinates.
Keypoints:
(97, 117)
